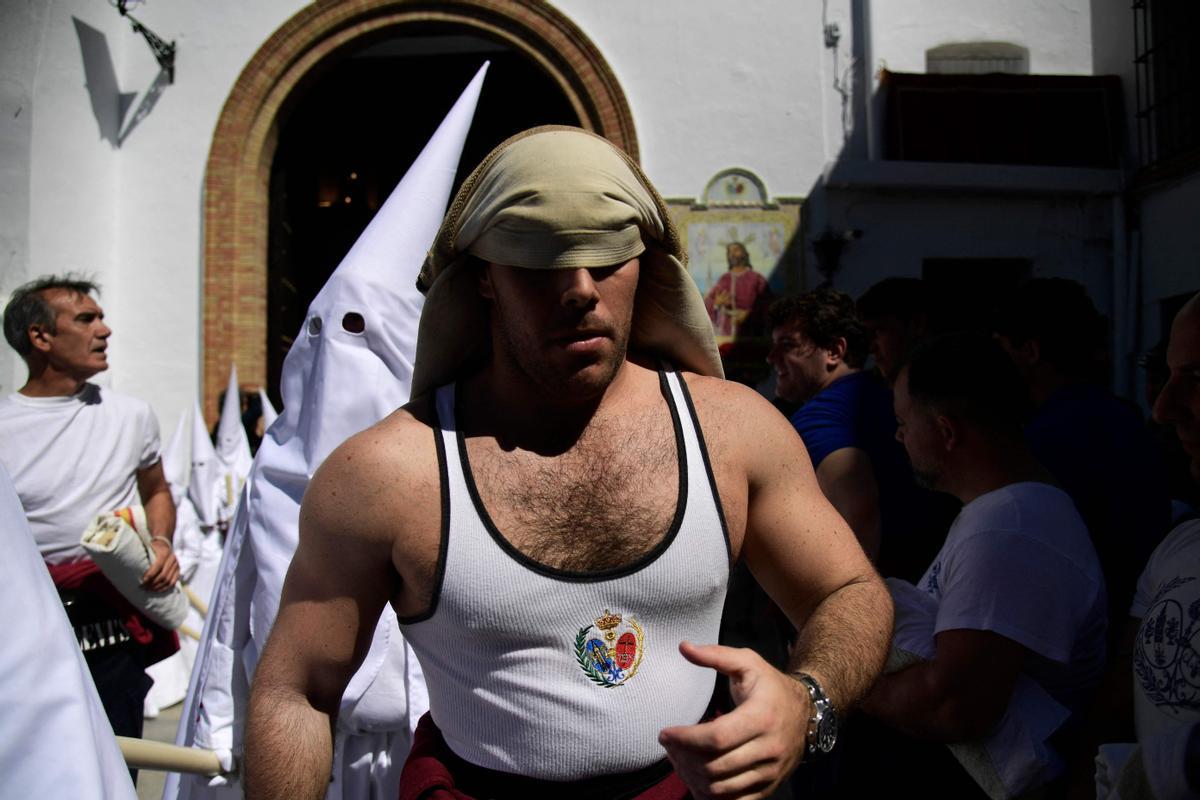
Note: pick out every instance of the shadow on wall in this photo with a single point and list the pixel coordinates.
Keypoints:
(149, 99)
(109, 103)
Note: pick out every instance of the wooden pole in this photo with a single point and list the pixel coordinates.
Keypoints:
(195, 600)
(145, 754)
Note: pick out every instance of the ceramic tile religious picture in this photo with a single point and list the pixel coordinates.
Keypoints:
(741, 257)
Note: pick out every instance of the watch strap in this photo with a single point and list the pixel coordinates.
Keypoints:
(821, 709)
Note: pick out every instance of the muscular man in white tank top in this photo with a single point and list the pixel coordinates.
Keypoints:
(553, 520)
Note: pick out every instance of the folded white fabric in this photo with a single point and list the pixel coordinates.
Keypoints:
(119, 544)
(1015, 758)
(1111, 760)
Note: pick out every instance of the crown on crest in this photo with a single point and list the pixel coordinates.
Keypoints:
(608, 621)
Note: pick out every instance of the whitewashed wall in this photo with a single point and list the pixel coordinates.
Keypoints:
(1170, 247)
(1112, 54)
(1058, 33)
(1063, 236)
(715, 85)
(18, 63)
(131, 215)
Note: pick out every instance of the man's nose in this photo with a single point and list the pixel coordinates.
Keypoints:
(103, 332)
(1167, 406)
(580, 289)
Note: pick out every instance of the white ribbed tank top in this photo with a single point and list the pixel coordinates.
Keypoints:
(559, 675)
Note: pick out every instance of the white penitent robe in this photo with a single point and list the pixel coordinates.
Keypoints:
(55, 740)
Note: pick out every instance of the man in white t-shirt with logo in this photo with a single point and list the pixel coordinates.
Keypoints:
(1166, 615)
(1018, 588)
(76, 450)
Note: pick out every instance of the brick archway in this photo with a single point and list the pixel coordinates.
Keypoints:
(239, 164)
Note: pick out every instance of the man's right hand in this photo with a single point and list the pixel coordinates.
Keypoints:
(164, 572)
(748, 752)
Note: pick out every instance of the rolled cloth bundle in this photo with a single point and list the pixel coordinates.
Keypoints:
(558, 198)
(1015, 759)
(120, 546)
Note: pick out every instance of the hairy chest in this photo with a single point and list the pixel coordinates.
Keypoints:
(603, 503)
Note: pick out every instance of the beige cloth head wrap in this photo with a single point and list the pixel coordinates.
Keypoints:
(558, 198)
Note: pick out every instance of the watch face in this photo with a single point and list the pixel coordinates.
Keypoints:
(826, 731)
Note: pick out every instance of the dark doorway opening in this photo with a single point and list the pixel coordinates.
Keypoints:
(350, 132)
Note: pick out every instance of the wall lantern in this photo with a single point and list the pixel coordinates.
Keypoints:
(164, 52)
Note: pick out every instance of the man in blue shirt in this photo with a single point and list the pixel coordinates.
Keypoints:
(818, 350)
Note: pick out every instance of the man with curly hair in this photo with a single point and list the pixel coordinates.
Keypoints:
(819, 346)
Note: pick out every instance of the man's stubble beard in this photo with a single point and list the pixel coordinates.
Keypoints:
(928, 476)
(542, 373)
(926, 479)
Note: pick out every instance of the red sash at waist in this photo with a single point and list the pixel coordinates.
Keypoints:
(86, 578)
(434, 772)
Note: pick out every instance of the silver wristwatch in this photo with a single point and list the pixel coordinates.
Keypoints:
(822, 724)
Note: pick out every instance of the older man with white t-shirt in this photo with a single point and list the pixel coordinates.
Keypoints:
(75, 450)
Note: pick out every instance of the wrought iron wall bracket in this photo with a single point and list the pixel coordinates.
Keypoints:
(164, 51)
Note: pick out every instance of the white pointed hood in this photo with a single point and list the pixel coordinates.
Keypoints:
(349, 366)
(175, 460)
(337, 382)
(233, 448)
(206, 472)
(268, 411)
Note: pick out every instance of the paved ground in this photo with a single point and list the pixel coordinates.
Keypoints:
(161, 729)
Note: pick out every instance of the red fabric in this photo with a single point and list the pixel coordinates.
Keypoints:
(85, 577)
(425, 776)
(428, 773)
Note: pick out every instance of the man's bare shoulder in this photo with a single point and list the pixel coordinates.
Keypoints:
(741, 424)
(392, 446)
(733, 407)
(380, 479)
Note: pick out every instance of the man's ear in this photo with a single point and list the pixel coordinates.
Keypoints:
(39, 337)
(836, 352)
(485, 282)
(948, 431)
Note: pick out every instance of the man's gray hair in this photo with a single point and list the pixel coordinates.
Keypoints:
(29, 306)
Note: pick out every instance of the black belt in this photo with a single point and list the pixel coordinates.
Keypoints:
(96, 635)
(95, 623)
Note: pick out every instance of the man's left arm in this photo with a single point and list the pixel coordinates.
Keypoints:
(809, 562)
(958, 696)
(155, 493)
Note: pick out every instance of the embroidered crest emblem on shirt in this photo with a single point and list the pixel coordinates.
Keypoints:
(1166, 656)
(609, 650)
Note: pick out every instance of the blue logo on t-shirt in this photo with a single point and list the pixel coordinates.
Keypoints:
(1167, 656)
(931, 582)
